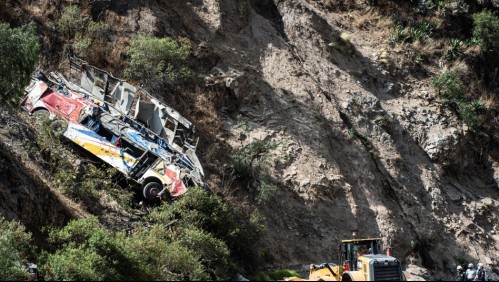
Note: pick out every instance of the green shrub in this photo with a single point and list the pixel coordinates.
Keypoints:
(213, 253)
(82, 183)
(414, 57)
(411, 34)
(250, 165)
(85, 184)
(454, 50)
(266, 190)
(71, 21)
(97, 29)
(91, 33)
(14, 249)
(81, 44)
(101, 253)
(486, 30)
(84, 250)
(448, 85)
(158, 256)
(73, 263)
(451, 89)
(208, 212)
(280, 274)
(158, 61)
(19, 54)
(197, 237)
(470, 112)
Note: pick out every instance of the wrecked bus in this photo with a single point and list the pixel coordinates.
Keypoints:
(147, 141)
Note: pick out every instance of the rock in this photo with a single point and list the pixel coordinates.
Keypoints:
(440, 142)
(488, 261)
(416, 273)
(487, 202)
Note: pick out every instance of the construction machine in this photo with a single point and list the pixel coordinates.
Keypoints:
(359, 260)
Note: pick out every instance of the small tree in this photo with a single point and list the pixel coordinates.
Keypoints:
(84, 250)
(158, 61)
(208, 213)
(19, 52)
(486, 30)
(71, 21)
(14, 248)
(448, 85)
(250, 166)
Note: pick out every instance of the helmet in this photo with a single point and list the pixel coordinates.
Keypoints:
(459, 267)
(480, 265)
(470, 265)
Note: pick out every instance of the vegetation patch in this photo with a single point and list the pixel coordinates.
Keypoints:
(19, 52)
(159, 62)
(452, 90)
(486, 31)
(250, 165)
(197, 212)
(14, 250)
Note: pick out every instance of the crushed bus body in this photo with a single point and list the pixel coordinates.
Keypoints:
(127, 128)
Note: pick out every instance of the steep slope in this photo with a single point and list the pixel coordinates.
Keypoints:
(25, 193)
(364, 142)
(362, 136)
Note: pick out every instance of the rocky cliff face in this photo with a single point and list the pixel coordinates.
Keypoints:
(365, 142)
(24, 194)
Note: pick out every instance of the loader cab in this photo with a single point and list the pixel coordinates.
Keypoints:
(351, 250)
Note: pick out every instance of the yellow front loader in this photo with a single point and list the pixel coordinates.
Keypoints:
(359, 260)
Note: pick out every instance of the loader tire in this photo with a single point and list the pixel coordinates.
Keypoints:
(347, 277)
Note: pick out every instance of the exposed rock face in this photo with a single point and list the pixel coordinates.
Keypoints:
(24, 196)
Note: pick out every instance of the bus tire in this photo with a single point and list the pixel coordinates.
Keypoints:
(41, 116)
(58, 127)
(151, 191)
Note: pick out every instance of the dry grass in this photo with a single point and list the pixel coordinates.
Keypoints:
(489, 100)
(371, 19)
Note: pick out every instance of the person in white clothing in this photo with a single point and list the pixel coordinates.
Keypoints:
(470, 272)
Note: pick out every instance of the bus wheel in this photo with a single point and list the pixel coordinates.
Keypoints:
(151, 191)
(58, 127)
(41, 116)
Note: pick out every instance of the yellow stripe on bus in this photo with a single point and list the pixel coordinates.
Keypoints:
(100, 151)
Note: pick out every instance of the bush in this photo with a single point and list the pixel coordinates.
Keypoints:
(73, 263)
(84, 250)
(448, 85)
(81, 182)
(71, 21)
(158, 61)
(454, 50)
(280, 274)
(250, 166)
(92, 33)
(207, 212)
(19, 51)
(470, 112)
(213, 253)
(450, 88)
(81, 44)
(14, 249)
(411, 34)
(486, 30)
